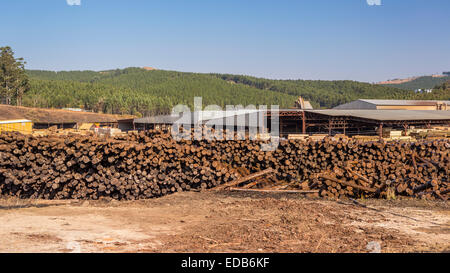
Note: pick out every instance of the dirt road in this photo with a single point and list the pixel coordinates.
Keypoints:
(224, 222)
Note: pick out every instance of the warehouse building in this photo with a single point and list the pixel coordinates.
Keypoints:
(372, 122)
(365, 104)
(297, 121)
(146, 123)
(191, 118)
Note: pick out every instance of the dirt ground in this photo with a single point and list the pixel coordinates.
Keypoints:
(45, 115)
(224, 222)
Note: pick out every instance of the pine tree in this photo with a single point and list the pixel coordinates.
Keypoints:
(13, 80)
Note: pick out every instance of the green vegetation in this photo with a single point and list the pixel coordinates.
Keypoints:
(443, 87)
(440, 92)
(140, 92)
(323, 94)
(425, 82)
(13, 80)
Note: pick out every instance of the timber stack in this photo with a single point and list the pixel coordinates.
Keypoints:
(152, 164)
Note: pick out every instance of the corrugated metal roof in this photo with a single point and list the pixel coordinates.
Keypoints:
(203, 116)
(14, 121)
(371, 104)
(162, 119)
(385, 115)
(357, 104)
(250, 119)
(404, 102)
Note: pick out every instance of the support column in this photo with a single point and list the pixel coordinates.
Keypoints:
(281, 127)
(329, 127)
(303, 122)
(405, 127)
(380, 130)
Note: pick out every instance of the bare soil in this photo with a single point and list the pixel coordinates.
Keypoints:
(44, 115)
(399, 81)
(224, 222)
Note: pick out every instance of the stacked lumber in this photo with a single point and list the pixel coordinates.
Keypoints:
(389, 133)
(297, 136)
(365, 138)
(151, 164)
(433, 133)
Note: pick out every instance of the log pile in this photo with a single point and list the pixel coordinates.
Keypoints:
(152, 164)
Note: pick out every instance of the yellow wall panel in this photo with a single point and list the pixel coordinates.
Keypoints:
(22, 127)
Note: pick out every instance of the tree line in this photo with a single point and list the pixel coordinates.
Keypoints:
(323, 94)
(425, 82)
(140, 92)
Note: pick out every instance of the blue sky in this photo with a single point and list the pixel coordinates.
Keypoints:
(303, 39)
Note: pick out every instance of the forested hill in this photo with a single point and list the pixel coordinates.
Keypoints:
(324, 94)
(424, 82)
(141, 92)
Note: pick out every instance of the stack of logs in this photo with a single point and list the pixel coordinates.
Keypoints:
(152, 164)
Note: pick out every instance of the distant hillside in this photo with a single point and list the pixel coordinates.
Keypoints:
(424, 82)
(143, 92)
(445, 86)
(398, 81)
(441, 92)
(140, 92)
(323, 94)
